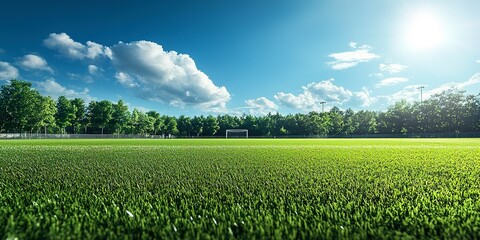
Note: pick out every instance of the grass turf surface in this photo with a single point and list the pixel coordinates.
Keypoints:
(218, 188)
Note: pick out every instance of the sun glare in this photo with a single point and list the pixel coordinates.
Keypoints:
(424, 31)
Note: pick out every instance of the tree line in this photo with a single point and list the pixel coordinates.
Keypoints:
(23, 109)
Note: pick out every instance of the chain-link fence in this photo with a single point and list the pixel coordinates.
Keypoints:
(78, 136)
(146, 136)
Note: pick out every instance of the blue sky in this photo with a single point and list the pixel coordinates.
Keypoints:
(216, 57)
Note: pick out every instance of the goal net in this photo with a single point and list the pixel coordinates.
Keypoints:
(236, 133)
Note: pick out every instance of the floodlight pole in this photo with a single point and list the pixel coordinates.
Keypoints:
(323, 106)
(421, 93)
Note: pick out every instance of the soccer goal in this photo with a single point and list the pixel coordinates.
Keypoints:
(236, 133)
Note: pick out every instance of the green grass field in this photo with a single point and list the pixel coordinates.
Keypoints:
(200, 189)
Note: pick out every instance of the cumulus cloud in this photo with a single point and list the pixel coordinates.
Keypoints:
(125, 80)
(94, 70)
(303, 101)
(166, 76)
(471, 81)
(344, 60)
(390, 81)
(53, 89)
(261, 106)
(411, 93)
(85, 78)
(478, 61)
(325, 91)
(7, 71)
(391, 68)
(66, 46)
(364, 98)
(34, 62)
(475, 79)
(313, 94)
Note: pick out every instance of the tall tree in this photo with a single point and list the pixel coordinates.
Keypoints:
(46, 114)
(366, 122)
(80, 114)
(170, 124)
(349, 125)
(65, 113)
(184, 125)
(18, 106)
(102, 114)
(134, 122)
(211, 126)
(336, 118)
(157, 121)
(89, 115)
(120, 116)
(197, 125)
(146, 123)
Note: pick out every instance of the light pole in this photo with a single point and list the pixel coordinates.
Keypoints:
(323, 105)
(421, 93)
(421, 101)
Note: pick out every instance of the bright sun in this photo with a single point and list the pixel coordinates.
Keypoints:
(424, 30)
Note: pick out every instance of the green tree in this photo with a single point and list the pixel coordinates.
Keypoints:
(366, 122)
(65, 113)
(120, 117)
(184, 125)
(250, 122)
(101, 114)
(135, 121)
(197, 125)
(46, 114)
(18, 106)
(211, 126)
(146, 123)
(349, 126)
(80, 114)
(399, 117)
(157, 121)
(227, 122)
(336, 118)
(170, 124)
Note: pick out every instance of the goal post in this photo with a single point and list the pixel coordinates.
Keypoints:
(236, 131)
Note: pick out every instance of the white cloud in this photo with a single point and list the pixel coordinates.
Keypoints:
(94, 70)
(167, 77)
(94, 50)
(364, 98)
(411, 93)
(261, 106)
(313, 94)
(325, 91)
(391, 68)
(68, 47)
(478, 61)
(471, 81)
(344, 60)
(125, 80)
(475, 79)
(52, 88)
(355, 46)
(390, 81)
(34, 62)
(304, 101)
(85, 78)
(328, 91)
(7, 71)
